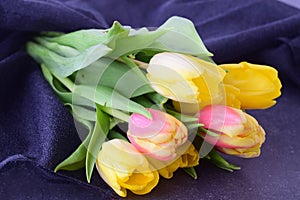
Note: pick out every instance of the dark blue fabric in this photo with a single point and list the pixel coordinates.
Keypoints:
(37, 132)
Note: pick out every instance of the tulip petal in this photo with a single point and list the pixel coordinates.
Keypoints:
(149, 186)
(174, 62)
(189, 158)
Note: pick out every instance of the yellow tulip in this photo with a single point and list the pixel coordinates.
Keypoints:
(257, 85)
(190, 158)
(232, 94)
(186, 79)
(122, 167)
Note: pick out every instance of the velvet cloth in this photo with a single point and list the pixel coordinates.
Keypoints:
(37, 132)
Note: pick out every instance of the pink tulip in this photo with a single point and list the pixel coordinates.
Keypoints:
(158, 137)
(239, 133)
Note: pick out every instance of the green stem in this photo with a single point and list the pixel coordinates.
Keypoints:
(211, 133)
(116, 113)
(140, 64)
(182, 117)
(132, 62)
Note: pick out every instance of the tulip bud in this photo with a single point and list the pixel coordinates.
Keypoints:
(185, 78)
(258, 85)
(122, 167)
(239, 133)
(158, 137)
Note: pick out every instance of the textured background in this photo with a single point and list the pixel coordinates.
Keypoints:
(37, 132)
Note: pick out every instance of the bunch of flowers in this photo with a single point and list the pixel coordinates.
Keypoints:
(147, 102)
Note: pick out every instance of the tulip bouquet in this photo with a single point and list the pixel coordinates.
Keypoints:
(147, 102)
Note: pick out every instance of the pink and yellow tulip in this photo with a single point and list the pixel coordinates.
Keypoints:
(159, 137)
(239, 133)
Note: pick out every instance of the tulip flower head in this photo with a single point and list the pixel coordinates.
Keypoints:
(122, 167)
(157, 137)
(257, 85)
(186, 79)
(239, 133)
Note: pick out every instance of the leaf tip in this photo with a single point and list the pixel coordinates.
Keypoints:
(56, 169)
(88, 177)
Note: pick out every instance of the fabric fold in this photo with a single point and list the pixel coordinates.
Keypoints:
(37, 131)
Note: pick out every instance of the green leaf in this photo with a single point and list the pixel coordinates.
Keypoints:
(64, 96)
(157, 98)
(144, 101)
(140, 88)
(134, 42)
(108, 97)
(97, 139)
(77, 159)
(145, 55)
(127, 81)
(62, 50)
(151, 100)
(215, 158)
(116, 135)
(68, 98)
(114, 122)
(80, 40)
(67, 53)
(116, 31)
(182, 37)
(117, 114)
(83, 112)
(65, 66)
(51, 34)
(191, 171)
